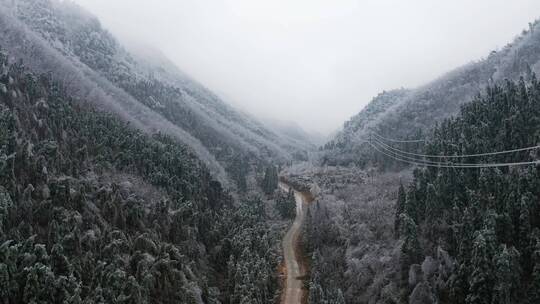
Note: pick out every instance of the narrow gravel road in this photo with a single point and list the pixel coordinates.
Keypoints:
(293, 288)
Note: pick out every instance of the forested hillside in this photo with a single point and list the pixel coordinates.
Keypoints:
(486, 219)
(347, 144)
(123, 180)
(59, 37)
(93, 210)
(406, 114)
(455, 235)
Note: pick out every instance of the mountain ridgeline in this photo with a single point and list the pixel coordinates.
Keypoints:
(411, 113)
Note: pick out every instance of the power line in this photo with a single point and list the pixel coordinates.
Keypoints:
(458, 156)
(399, 141)
(408, 161)
(447, 165)
(414, 159)
(428, 162)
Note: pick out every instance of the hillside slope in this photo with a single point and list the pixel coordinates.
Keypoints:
(487, 219)
(406, 114)
(446, 235)
(93, 210)
(61, 38)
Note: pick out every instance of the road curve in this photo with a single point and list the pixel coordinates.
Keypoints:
(295, 269)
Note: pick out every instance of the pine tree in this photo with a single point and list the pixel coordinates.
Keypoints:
(459, 284)
(5, 282)
(507, 275)
(239, 170)
(6, 208)
(524, 231)
(270, 181)
(412, 205)
(316, 293)
(432, 211)
(411, 252)
(286, 205)
(340, 299)
(533, 294)
(400, 208)
(482, 278)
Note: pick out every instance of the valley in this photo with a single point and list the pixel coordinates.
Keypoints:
(124, 180)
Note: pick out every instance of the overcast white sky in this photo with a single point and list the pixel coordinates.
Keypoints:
(316, 62)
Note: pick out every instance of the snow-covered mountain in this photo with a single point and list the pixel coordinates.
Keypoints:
(409, 113)
(144, 88)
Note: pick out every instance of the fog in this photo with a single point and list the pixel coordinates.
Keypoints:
(315, 62)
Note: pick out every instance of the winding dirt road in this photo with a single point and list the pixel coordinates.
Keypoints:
(295, 268)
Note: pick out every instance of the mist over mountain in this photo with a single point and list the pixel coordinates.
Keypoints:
(277, 58)
(146, 89)
(124, 180)
(409, 114)
(295, 131)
